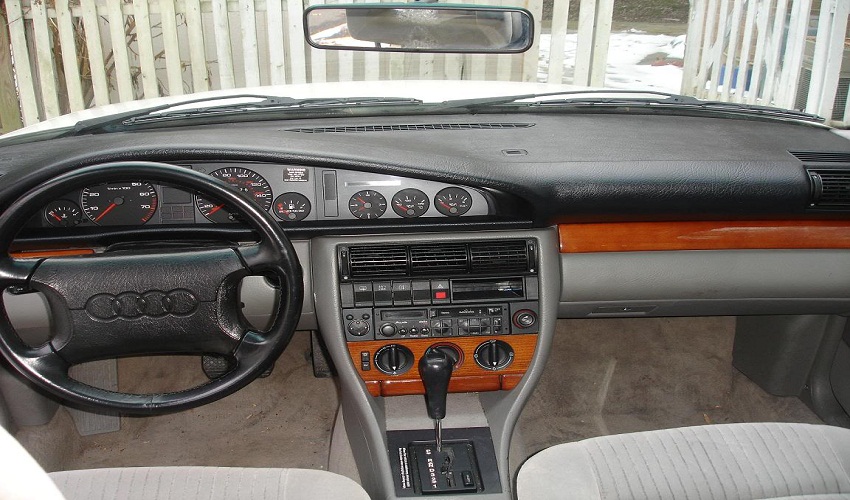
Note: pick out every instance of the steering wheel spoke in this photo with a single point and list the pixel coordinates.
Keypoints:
(129, 303)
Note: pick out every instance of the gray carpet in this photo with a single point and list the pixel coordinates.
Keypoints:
(610, 376)
(604, 376)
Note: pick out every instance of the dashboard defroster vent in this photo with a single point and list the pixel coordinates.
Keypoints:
(411, 127)
(498, 257)
(822, 156)
(442, 260)
(378, 260)
(830, 187)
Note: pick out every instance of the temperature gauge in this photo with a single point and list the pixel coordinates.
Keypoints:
(410, 203)
(63, 213)
(292, 207)
(453, 201)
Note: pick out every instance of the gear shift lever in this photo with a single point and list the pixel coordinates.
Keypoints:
(435, 368)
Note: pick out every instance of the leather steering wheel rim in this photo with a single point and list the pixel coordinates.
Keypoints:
(172, 313)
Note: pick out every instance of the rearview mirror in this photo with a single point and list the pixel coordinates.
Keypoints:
(419, 28)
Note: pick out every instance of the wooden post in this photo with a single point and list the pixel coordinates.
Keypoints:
(10, 110)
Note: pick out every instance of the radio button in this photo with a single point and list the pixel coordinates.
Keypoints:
(494, 311)
(387, 329)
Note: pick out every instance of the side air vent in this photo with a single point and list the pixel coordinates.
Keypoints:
(443, 260)
(400, 128)
(498, 258)
(822, 157)
(830, 187)
(386, 260)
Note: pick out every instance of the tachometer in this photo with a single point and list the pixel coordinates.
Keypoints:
(367, 204)
(119, 203)
(251, 184)
(410, 203)
(453, 201)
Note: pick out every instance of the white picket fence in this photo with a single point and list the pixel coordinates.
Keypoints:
(71, 55)
(58, 56)
(772, 52)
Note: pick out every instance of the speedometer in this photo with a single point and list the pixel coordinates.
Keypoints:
(119, 203)
(247, 182)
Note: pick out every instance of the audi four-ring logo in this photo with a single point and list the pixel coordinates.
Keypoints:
(132, 305)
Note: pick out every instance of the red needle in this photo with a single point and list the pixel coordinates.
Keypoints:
(361, 200)
(53, 214)
(444, 204)
(216, 209)
(108, 209)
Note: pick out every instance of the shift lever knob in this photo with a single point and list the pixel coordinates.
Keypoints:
(435, 368)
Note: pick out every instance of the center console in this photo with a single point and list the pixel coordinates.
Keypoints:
(477, 301)
(465, 318)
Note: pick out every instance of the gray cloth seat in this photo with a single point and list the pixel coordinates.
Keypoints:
(22, 478)
(732, 461)
(208, 483)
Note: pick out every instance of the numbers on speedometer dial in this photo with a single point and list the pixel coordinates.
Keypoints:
(119, 203)
(367, 204)
(247, 182)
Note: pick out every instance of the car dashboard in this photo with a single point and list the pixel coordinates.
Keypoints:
(474, 234)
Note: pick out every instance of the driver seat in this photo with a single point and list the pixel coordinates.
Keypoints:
(22, 478)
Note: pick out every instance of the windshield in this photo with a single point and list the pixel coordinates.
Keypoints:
(105, 57)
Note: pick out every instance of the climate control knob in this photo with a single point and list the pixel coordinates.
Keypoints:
(393, 359)
(387, 329)
(494, 355)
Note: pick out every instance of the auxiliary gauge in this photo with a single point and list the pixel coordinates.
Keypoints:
(367, 204)
(247, 182)
(453, 201)
(292, 207)
(63, 213)
(410, 203)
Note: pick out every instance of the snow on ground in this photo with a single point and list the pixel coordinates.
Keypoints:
(636, 60)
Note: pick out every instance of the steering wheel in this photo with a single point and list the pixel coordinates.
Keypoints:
(148, 302)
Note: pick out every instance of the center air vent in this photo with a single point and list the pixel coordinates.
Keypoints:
(379, 260)
(490, 258)
(410, 127)
(438, 259)
(830, 187)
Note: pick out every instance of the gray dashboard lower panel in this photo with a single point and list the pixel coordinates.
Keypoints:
(716, 282)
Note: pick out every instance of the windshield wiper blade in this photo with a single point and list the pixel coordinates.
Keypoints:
(566, 96)
(597, 98)
(264, 103)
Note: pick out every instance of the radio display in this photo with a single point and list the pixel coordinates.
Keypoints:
(404, 314)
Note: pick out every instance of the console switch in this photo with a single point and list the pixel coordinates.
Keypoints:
(363, 295)
(401, 293)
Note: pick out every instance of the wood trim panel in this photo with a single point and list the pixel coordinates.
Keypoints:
(467, 377)
(41, 254)
(704, 235)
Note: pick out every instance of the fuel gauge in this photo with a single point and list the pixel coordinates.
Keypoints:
(63, 213)
(291, 207)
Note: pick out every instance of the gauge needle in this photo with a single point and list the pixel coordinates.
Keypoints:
(53, 214)
(108, 209)
(444, 204)
(216, 209)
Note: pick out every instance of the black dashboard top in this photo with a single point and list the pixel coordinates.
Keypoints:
(553, 167)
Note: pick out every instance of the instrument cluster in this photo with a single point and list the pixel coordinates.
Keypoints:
(291, 194)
